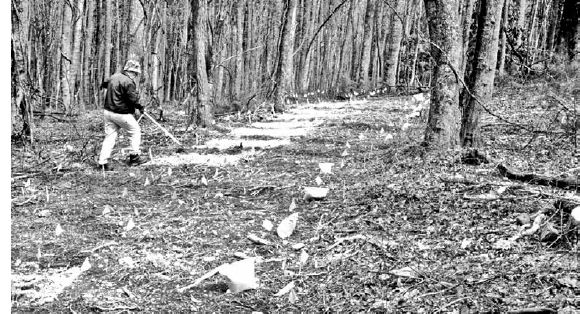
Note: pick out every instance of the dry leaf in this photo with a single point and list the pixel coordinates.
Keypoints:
(86, 265)
(127, 261)
(405, 272)
(466, 243)
(319, 180)
(315, 193)
(303, 257)
(44, 213)
(254, 238)
(285, 289)
(107, 209)
(268, 225)
(326, 167)
(58, 231)
(241, 255)
(292, 206)
(298, 246)
(241, 275)
(130, 225)
(287, 226)
(292, 297)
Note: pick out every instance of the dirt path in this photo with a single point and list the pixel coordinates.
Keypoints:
(299, 121)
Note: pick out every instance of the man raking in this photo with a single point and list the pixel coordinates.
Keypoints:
(121, 101)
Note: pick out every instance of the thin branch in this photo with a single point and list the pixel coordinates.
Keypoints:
(322, 25)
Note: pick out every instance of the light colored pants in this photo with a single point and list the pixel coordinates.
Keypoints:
(114, 122)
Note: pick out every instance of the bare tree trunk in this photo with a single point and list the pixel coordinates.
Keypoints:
(392, 58)
(366, 46)
(76, 66)
(481, 85)
(466, 21)
(345, 49)
(521, 22)
(204, 111)
(284, 72)
(444, 115)
(66, 58)
(108, 37)
(240, 7)
(21, 104)
(503, 38)
(89, 57)
(569, 29)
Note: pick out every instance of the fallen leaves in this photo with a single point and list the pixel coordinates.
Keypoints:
(287, 226)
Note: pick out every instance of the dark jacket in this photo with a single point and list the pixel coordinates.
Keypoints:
(122, 96)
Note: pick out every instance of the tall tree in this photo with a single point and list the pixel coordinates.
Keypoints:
(66, 58)
(366, 44)
(570, 29)
(76, 64)
(521, 22)
(503, 39)
(443, 124)
(395, 37)
(284, 72)
(108, 37)
(483, 69)
(18, 54)
(204, 112)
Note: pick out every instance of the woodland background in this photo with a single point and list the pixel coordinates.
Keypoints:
(452, 127)
(224, 56)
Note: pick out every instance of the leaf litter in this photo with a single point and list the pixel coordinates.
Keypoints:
(392, 236)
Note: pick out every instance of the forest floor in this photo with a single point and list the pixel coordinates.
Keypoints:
(402, 229)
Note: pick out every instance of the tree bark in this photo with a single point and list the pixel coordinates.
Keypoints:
(240, 8)
(66, 58)
(366, 45)
(521, 22)
(18, 53)
(466, 21)
(570, 29)
(444, 115)
(392, 58)
(284, 72)
(204, 112)
(76, 65)
(481, 86)
(503, 39)
(108, 38)
(89, 59)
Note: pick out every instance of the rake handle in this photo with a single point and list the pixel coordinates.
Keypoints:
(162, 128)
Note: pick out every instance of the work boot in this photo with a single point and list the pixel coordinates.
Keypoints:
(136, 160)
(105, 167)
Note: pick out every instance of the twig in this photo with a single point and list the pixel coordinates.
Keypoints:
(100, 247)
(352, 238)
(453, 302)
(116, 308)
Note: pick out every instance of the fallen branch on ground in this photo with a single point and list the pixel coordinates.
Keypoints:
(569, 183)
